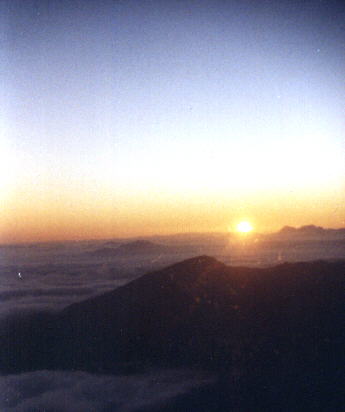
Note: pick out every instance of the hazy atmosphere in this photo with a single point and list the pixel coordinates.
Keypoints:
(172, 205)
(127, 118)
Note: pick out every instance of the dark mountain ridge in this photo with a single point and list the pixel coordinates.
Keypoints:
(267, 330)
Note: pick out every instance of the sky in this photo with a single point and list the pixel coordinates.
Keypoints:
(127, 118)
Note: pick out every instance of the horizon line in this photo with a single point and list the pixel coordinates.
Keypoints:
(124, 238)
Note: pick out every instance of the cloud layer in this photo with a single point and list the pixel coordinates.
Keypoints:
(79, 391)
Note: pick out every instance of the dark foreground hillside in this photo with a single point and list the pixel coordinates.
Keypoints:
(274, 336)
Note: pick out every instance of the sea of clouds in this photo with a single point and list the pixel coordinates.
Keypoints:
(45, 278)
(36, 277)
(51, 391)
(49, 277)
(25, 287)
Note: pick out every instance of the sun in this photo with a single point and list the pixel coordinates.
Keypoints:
(244, 227)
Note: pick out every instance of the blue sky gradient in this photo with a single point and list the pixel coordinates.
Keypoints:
(168, 106)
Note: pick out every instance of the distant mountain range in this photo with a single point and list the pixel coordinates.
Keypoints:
(213, 239)
(137, 247)
(310, 231)
(204, 243)
(183, 240)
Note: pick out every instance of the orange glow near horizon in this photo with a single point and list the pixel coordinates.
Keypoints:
(124, 130)
(66, 213)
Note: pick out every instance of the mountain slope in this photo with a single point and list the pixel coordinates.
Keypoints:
(197, 312)
(275, 336)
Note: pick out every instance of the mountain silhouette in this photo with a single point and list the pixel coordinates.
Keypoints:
(137, 247)
(268, 330)
(310, 231)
